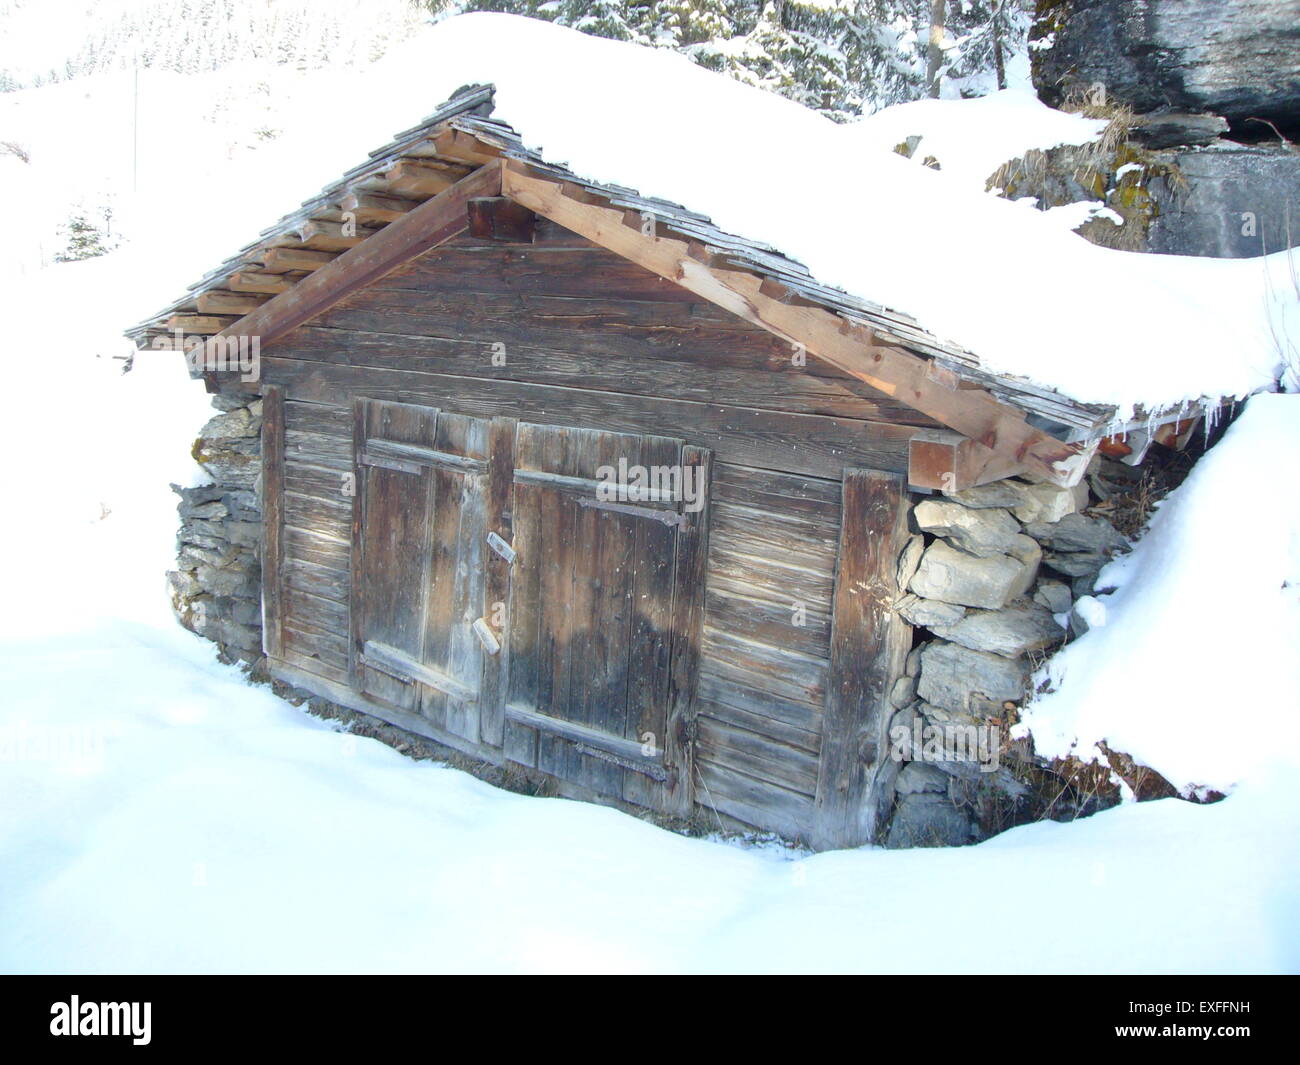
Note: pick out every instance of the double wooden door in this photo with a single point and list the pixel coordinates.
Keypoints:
(506, 589)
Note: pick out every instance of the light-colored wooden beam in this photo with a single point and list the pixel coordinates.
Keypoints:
(944, 461)
(420, 180)
(219, 301)
(322, 235)
(199, 324)
(369, 208)
(257, 281)
(464, 148)
(288, 260)
(848, 346)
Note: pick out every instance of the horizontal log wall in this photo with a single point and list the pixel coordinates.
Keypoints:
(316, 546)
(589, 340)
(766, 645)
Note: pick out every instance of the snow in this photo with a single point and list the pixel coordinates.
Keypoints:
(1070, 216)
(970, 139)
(62, 38)
(1192, 665)
(160, 814)
(1128, 330)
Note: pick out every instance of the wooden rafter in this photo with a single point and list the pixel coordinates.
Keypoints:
(370, 207)
(1002, 440)
(257, 281)
(424, 227)
(281, 260)
(451, 143)
(420, 178)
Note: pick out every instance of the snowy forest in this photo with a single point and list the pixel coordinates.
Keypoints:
(842, 57)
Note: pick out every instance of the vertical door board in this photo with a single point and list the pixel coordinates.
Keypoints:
(687, 625)
(391, 550)
(498, 519)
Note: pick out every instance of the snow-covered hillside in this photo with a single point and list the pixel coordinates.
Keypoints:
(159, 813)
(46, 41)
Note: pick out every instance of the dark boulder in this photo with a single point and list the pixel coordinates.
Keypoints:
(1237, 202)
(1235, 58)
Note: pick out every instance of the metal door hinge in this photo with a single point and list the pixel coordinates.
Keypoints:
(501, 547)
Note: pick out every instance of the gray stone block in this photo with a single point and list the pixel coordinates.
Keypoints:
(1005, 494)
(986, 532)
(1010, 632)
(1045, 502)
(967, 681)
(1054, 595)
(918, 778)
(903, 693)
(909, 558)
(1078, 532)
(927, 613)
(953, 576)
(928, 820)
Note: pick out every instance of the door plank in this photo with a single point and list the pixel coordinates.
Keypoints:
(651, 636)
(498, 519)
(390, 548)
(687, 626)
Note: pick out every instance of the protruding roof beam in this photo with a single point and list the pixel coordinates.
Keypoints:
(371, 208)
(418, 180)
(851, 347)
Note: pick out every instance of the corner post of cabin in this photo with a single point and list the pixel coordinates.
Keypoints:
(869, 646)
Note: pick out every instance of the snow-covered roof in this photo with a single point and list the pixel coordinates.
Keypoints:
(1070, 332)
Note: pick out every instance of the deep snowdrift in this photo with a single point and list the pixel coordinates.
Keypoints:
(1193, 665)
(1012, 284)
(1026, 296)
(157, 813)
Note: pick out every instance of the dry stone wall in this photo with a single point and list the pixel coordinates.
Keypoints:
(991, 579)
(216, 587)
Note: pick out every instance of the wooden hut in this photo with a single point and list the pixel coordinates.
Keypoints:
(568, 479)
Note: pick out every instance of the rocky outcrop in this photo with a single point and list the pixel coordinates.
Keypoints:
(1237, 201)
(1204, 96)
(1235, 58)
(1228, 200)
(216, 587)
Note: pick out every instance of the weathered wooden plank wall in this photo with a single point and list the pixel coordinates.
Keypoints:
(869, 643)
(583, 339)
(766, 644)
